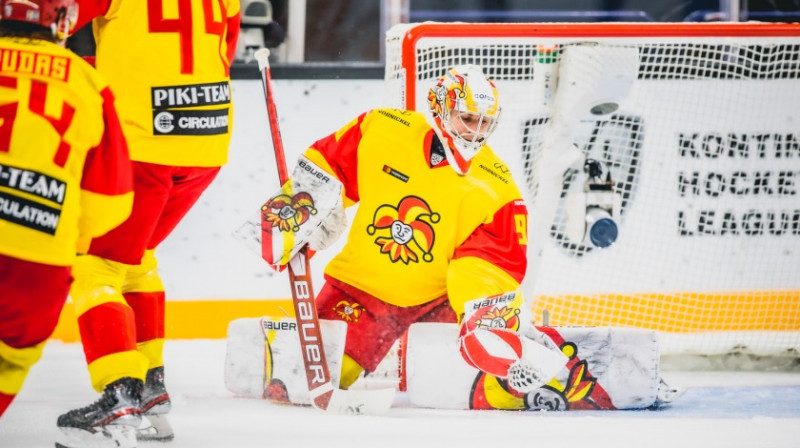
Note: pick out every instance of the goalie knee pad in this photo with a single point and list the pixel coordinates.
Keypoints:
(263, 358)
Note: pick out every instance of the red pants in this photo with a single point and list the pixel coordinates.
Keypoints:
(373, 325)
(31, 298)
(162, 197)
(117, 338)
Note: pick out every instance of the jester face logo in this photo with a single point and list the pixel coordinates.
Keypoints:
(579, 390)
(288, 213)
(443, 96)
(405, 230)
(504, 317)
(348, 312)
(402, 232)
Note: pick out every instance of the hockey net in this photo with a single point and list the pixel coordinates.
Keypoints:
(698, 128)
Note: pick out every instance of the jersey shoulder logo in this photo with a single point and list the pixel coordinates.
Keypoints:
(405, 231)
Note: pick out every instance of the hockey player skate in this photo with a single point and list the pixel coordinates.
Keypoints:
(155, 406)
(111, 421)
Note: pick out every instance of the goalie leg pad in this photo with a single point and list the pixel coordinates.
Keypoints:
(607, 368)
(263, 358)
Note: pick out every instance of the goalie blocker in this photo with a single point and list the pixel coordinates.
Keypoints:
(606, 368)
(307, 210)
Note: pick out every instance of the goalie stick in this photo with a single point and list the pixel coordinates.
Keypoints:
(324, 395)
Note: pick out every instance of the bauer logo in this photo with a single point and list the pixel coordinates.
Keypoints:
(312, 170)
(279, 325)
(494, 301)
(191, 95)
(190, 122)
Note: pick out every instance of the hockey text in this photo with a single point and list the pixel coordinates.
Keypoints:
(737, 184)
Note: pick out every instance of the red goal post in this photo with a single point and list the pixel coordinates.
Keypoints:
(698, 127)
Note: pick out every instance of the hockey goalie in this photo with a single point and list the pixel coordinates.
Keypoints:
(436, 251)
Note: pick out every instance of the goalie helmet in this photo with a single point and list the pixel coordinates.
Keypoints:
(465, 111)
(59, 16)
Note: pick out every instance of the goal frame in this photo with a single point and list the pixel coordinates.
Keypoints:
(407, 79)
(577, 30)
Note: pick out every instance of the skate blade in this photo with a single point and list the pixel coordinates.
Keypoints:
(155, 428)
(111, 436)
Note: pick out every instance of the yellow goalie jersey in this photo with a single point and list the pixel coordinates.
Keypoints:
(171, 76)
(421, 230)
(65, 173)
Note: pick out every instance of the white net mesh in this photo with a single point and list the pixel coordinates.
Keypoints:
(700, 138)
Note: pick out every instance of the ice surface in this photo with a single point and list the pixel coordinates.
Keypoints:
(719, 409)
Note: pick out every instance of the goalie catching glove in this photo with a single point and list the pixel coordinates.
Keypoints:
(307, 210)
(489, 341)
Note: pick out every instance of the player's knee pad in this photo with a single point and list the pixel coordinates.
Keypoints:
(606, 368)
(144, 292)
(264, 360)
(144, 276)
(97, 281)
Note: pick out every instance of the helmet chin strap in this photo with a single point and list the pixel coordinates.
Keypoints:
(456, 161)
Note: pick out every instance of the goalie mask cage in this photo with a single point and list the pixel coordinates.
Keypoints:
(698, 126)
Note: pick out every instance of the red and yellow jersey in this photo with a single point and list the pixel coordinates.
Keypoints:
(421, 230)
(65, 173)
(168, 62)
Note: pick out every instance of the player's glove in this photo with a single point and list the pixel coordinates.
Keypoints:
(307, 210)
(489, 342)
